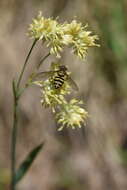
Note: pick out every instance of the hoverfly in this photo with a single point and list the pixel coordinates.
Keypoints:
(58, 77)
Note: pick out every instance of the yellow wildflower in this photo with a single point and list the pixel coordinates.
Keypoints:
(58, 35)
(72, 115)
(81, 39)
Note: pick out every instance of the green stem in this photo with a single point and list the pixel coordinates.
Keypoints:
(15, 118)
(24, 66)
(14, 137)
(42, 60)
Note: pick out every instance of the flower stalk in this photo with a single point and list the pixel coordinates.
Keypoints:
(14, 136)
(16, 95)
(25, 63)
(42, 60)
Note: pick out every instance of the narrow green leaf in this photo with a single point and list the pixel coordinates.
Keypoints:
(24, 167)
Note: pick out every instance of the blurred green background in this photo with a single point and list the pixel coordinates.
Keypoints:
(91, 158)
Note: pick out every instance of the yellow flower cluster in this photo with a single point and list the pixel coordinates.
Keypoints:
(52, 97)
(81, 39)
(67, 113)
(58, 35)
(72, 115)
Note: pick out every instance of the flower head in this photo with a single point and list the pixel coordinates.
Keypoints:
(58, 35)
(81, 38)
(72, 115)
(48, 30)
(50, 95)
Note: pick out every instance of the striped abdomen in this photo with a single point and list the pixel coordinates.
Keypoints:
(59, 79)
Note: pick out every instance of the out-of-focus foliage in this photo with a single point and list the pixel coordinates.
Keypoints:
(91, 154)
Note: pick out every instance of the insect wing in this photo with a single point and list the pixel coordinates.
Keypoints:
(72, 83)
(44, 75)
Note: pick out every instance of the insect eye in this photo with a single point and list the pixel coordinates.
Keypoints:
(62, 67)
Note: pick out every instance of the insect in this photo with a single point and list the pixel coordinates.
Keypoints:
(59, 77)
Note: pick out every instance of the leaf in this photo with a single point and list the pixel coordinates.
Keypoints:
(24, 167)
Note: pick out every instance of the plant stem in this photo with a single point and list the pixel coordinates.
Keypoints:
(15, 118)
(14, 137)
(42, 60)
(24, 66)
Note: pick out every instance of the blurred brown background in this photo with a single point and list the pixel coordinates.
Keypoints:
(91, 158)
